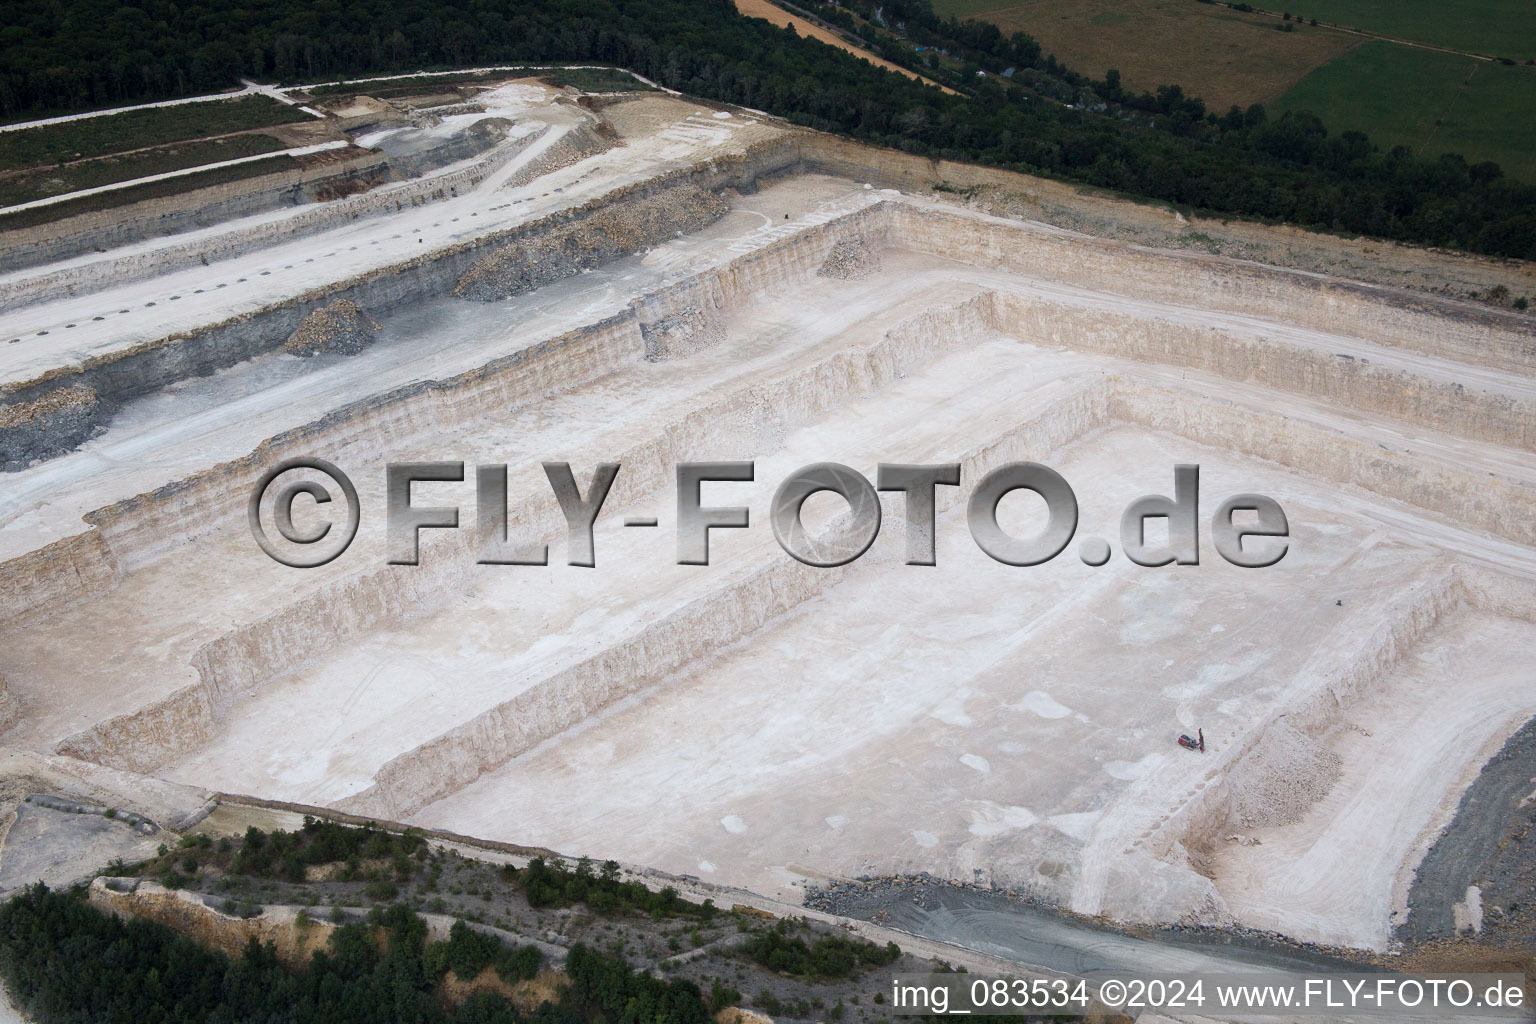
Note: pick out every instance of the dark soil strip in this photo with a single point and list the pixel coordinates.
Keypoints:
(1490, 843)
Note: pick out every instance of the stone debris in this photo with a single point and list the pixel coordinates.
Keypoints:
(342, 328)
(49, 425)
(10, 707)
(137, 822)
(681, 334)
(850, 260)
(608, 232)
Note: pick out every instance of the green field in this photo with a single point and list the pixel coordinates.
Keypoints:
(595, 80)
(40, 182)
(136, 129)
(1223, 56)
(1429, 101)
(138, 193)
(413, 85)
(585, 79)
(965, 8)
(1499, 28)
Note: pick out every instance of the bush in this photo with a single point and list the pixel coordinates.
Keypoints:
(608, 984)
(555, 885)
(468, 952)
(434, 960)
(518, 963)
(382, 890)
(721, 996)
(287, 854)
(827, 957)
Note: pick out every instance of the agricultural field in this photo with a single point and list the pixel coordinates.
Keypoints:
(158, 189)
(1216, 53)
(138, 129)
(71, 156)
(1429, 101)
(1498, 28)
(40, 182)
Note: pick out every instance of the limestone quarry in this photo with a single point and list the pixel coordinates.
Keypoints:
(642, 280)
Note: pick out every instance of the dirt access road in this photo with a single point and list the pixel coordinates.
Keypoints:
(764, 9)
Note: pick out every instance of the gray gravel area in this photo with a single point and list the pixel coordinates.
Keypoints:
(1488, 844)
(65, 847)
(1008, 926)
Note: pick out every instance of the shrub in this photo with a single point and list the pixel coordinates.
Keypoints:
(469, 951)
(721, 996)
(828, 956)
(382, 890)
(518, 963)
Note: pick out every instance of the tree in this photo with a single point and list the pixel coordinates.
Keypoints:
(215, 65)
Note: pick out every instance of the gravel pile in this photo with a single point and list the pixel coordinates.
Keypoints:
(850, 260)
(341, 327)
(856, 898)
(47, 426)
(681, 334)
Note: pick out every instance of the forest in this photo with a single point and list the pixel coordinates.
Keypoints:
(1017, 109)
(62, 960)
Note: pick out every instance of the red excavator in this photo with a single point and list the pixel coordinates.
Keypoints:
(1198, 743)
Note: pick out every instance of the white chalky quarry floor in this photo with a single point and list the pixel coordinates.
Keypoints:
(705, 285)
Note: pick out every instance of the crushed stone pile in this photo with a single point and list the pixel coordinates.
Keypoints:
(49, 425)
(1286, 774)
(341, 327)
(681, 334)
(850, 260)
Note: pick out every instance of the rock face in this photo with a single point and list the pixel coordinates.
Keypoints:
(47, 426)
(615, 230)
(415, 153)
(10, 707)
(850, 260)
(193, 915)
(341, 327)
